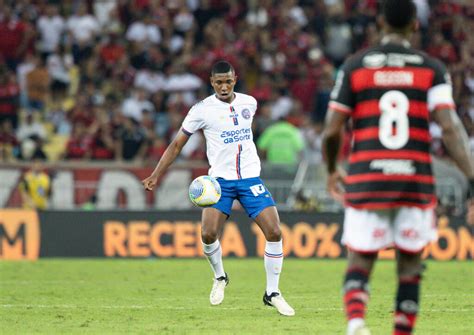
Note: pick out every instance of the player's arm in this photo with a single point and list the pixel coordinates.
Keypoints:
(456, 141)
(454, 136)
(172, 151)
(340, 108)
(332, 135)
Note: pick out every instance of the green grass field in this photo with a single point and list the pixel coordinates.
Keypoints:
(171, 297)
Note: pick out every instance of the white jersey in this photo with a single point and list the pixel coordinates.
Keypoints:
(228, 131)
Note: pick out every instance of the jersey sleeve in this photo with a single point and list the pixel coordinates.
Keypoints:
(342, 98)
(254, 104)
(440, 95)
(193, 121)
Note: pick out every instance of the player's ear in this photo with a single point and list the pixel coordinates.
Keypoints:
(416, 25)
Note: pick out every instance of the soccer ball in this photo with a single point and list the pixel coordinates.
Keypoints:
(204, 191)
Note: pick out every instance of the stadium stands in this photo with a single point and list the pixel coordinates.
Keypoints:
(112, 80)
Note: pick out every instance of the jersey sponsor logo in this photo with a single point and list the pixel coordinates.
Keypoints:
(257, 189)
(397, 59)
(374, 60)
(393, 78)
(239, 135)
(393, 166)
(246, 114)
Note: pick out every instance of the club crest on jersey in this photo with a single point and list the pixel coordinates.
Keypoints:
(246, 114)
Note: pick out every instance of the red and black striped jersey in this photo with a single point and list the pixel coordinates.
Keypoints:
(389, 91)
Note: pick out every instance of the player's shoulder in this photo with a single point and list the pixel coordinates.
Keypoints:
(432, 62)
(245, 98)
(203, 104)
(358, 59)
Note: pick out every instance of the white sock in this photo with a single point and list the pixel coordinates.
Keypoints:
(354, 324)
(213, 253)
(273, 260)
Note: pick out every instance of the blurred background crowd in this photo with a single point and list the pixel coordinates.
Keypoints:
(113, 79)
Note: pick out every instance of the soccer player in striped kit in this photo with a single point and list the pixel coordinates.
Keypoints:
(390, 92)
(226, 120)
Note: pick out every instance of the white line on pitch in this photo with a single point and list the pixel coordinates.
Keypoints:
(449, 310)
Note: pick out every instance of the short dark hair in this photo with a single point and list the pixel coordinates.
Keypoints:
(221, 67)
(399, 13)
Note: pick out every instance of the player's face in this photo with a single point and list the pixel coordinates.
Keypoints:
(223, 84)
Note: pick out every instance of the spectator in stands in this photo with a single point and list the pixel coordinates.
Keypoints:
(31, 127)
(303, 88)
(37, 84)
(339, 35)
(35, 188)
(8, 142)
(281, 143)
(60, 63)
(51, 27)
(148, 78)
(9, 97)
(90, 204)
(83, 28)
(134, 106)
(79, 144)
(144, 31)
(102, 142)
(167, 47)
(111, 51)
(14, 37)
(442, 49)
(131, 143)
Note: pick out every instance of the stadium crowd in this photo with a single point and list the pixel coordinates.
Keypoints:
(113, 79)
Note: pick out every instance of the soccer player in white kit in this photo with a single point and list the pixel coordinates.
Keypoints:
(226, 120)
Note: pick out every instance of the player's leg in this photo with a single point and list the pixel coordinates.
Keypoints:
(414, 229)
(260, 206)
(269, 222)
(356, 290)
(409, 269)
(365, 233)
(212, 223)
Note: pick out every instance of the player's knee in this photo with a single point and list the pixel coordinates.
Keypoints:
(273, 234)
(409, 265)
(208, 235)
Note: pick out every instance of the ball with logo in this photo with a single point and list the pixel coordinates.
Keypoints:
(204, 191)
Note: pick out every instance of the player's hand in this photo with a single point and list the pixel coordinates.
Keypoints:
(470, 212)
(150, 182)
(334, 185)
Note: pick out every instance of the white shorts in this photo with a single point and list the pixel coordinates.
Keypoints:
(408, 229)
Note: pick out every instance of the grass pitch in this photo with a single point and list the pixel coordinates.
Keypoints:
(171, 297)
